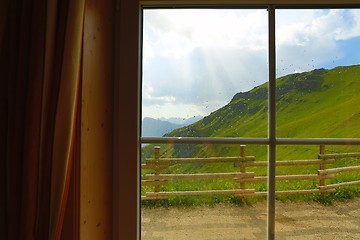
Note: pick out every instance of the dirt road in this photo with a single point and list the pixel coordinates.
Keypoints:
(294, 221)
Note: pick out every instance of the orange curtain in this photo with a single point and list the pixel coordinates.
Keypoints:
(41, 65)
(65, 120)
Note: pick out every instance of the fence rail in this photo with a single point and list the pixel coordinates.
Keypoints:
(243, 177)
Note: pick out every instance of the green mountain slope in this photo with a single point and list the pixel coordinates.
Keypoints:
(319, 103)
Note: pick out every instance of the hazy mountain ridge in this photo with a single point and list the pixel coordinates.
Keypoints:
(152, 127)
(182, 121)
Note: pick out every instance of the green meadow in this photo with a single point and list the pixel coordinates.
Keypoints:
(317, 104)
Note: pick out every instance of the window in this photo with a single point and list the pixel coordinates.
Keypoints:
(277, 137)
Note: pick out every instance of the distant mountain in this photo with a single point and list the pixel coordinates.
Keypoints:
(182, 121)
(158, 127)
(315, 104)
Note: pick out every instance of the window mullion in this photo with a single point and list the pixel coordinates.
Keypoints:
(272, 125)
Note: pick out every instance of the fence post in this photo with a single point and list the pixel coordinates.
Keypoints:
(322, 166)
(242, 167)
(157, 170)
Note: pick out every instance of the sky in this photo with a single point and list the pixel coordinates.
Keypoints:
(196, 60)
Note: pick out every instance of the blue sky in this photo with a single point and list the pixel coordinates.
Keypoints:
(194, 61)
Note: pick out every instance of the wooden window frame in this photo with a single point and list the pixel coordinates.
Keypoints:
(127, 84)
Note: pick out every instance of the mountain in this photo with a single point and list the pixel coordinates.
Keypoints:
(314, 104)
(158, 127)
(182, 121)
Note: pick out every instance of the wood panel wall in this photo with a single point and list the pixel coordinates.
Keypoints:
(96, 188)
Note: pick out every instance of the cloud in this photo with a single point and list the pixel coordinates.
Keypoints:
(194, 61)
(178, 31)
(308, 39)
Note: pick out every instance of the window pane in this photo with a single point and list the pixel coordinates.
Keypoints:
(319, 199)
(207, 66)
(213, 212)
(318, 57)
(204, 75)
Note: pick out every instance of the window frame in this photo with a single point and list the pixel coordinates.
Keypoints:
(271, 141)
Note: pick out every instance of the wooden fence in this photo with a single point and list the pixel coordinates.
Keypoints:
(243, 177)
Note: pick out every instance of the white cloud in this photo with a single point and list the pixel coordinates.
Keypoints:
(149, 98)
(179, 32)
(308, 39)
(148, 50)
(353, 29)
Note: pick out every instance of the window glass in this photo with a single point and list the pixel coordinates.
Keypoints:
(318, 57)
(204, 74)
(313, 192)
(194, 202)
(208, 65)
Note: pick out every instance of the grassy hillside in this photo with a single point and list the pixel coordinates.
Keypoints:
(316, 104)
(329, 109)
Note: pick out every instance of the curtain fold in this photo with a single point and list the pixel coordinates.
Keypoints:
(65, 128)
(41, 50)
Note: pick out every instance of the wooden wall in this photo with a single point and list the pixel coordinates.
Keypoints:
(96, 189)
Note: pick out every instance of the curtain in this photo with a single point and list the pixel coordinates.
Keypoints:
(41, 65)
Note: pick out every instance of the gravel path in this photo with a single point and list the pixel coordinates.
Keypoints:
(294, 221)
